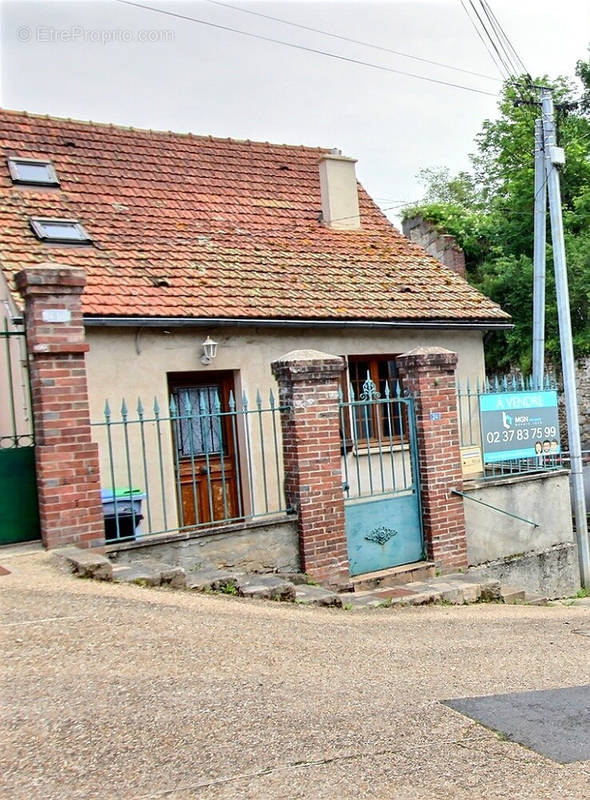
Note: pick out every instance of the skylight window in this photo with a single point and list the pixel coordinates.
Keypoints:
(32, 171)
(67, 231)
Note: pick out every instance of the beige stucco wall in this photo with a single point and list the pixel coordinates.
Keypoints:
(132, 362)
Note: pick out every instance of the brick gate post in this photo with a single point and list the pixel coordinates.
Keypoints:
(308, 385)
(428, 373)
(68, 477)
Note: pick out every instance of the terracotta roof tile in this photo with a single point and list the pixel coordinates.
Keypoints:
(231, 227)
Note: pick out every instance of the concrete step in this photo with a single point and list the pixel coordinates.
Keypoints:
(395, 576)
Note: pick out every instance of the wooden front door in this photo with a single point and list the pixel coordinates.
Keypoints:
(205, 448)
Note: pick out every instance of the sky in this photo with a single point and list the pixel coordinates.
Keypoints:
(114, 62)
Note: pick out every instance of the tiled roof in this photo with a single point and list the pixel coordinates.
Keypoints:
(192, 226)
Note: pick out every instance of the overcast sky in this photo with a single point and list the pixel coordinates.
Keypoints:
(111, 62)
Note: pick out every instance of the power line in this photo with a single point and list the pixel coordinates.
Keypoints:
(476, 29)
(497, 58)
(515, 61)
(496, 36)
(506, 39)
(504, 55)
(307, 49)
(350, 39)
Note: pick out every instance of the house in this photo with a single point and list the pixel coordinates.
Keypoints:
(248, 248)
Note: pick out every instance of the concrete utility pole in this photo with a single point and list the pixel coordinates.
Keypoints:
(540, 227)
(554, 156)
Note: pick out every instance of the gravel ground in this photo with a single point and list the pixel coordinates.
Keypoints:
(123, 692)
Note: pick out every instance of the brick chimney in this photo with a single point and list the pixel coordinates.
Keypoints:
(442, 246)
(340, 200)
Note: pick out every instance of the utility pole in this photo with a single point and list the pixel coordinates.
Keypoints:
(540, 228)
(554, 156)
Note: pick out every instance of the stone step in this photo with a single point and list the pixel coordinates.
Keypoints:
(353, 600)
(535, 599)
(454, 589)
(511, 594)
(298, 578)
(395, 576)
(266, 587)
(307, 595)
(137, 573)
(175, 577)
(213, 580)
(84, 563)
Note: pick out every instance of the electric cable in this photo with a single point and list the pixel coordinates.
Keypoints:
(316, 51)
(350, 39)
(483, 41)
(503, 67)
(495, 35)
(507, 40)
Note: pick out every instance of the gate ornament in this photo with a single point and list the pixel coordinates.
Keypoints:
(369, 390)
(381, 535)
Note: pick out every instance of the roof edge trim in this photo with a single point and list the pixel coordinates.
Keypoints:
(178, 322)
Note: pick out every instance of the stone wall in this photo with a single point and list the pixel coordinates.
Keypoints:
(442, 246)
(271, 546)
(583, 395)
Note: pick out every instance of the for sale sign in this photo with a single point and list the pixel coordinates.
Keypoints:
(519, 425)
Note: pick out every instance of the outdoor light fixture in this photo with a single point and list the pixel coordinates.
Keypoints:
(209, 350)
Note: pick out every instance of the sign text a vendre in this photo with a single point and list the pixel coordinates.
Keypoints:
(519, 425)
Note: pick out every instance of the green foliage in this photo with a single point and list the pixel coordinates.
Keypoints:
(489, 210)
(228, 588)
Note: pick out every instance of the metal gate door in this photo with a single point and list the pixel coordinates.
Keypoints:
(381, 480)
(19, 513)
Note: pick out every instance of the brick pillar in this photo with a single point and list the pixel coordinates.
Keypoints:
(428, 373)
(68, 477)
(308, 384)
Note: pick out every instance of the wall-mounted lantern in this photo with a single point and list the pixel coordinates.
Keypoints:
(209, 350)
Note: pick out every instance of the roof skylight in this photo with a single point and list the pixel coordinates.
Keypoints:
(66, 231)
(32, 171)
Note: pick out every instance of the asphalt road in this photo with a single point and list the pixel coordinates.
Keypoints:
(123, 692)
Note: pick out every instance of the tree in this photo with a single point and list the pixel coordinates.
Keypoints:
(489, 210)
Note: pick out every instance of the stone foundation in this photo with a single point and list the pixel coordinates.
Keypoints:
(254, 547)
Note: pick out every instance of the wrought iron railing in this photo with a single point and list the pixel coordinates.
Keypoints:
(379, 452)
(16, 423)
(470, 426)
(189, 466)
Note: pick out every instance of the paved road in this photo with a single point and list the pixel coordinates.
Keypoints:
(146, 693)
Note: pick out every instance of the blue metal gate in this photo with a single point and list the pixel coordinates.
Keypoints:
(381, 479)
